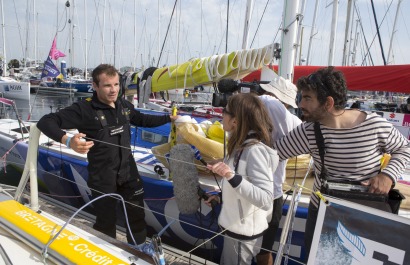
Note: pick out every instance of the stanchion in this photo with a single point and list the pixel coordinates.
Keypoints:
(287, 230)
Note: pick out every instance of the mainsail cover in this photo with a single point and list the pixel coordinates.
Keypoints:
(392, 78)
(202, 71)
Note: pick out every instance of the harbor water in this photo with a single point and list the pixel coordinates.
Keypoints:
(33, 110)
(39, 105)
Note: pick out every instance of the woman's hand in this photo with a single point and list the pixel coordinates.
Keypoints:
(222, 170)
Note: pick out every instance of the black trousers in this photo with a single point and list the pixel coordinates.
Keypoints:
(270, 233)
(106, 211)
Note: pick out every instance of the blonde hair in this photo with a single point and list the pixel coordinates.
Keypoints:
(251, 115)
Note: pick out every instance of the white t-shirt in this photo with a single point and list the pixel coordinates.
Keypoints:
(283, 122)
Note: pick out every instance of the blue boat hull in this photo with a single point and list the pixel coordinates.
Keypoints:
(80, 87)
(65, 178)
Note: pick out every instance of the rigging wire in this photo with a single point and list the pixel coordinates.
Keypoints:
(406, 31)
(404, 22)
(259, 24)
(224, 33)
(378, 32)
(166, 34)
(364, 37)
(18, 25)
(227, 27)
(97, 18)
(381, 23)
(65, 20)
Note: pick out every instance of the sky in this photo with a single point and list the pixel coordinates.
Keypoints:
(132, 32)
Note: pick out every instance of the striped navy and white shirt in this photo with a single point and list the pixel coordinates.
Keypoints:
(350, 154)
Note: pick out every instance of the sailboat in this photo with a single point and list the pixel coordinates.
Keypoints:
(56, 81)
(60, 165)
(41, 236)
(10, 87)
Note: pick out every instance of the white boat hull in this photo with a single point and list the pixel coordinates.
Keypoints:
(15, 90)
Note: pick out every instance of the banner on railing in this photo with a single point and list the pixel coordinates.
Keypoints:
(349, 233)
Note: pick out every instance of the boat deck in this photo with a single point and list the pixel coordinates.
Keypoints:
(14, 251)
(53, 90)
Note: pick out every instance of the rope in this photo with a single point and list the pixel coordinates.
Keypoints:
(4, 156)
(44, 252)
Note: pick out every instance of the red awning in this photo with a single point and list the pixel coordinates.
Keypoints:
(393, 78)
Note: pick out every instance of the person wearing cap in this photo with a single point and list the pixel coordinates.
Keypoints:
(277, 96)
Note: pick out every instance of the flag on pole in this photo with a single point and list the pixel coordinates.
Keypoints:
(54, 53)
(50, 70)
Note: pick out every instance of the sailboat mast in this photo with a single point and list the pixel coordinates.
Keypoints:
(248, 15)
(351, 37)
(103, 33)
(28, 31)
(227, 27)
(35, 32)
(347, 28)
(4, 39)
(289, 32)
(333, 32)
(86, 49)
(355, 43)
(312, 33)
(71, 43)
(134, 61)
(394, 31)
(159, 31)
(300, 32)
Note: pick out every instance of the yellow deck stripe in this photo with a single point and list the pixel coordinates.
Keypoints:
(67, 244)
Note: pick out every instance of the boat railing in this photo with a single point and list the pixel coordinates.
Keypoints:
(30, 170)
(9, 102)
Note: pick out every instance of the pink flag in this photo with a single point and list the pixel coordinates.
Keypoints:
(54, 53)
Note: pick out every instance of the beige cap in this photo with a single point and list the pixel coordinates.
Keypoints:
(283, 89)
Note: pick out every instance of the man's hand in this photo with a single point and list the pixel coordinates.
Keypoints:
(79, 145)
(380, 184)
(211, 199)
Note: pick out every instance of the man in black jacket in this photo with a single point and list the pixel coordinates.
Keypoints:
(104, 120)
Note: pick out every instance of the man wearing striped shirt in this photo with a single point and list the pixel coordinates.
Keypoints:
(354, 140)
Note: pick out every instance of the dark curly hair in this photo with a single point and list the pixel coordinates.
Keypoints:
(326, 82)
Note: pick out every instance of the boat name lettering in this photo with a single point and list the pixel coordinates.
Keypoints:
(15, 88)
(99, 259)
(35, 221)
(393, 120)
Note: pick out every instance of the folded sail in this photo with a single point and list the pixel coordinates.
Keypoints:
(202, 71)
